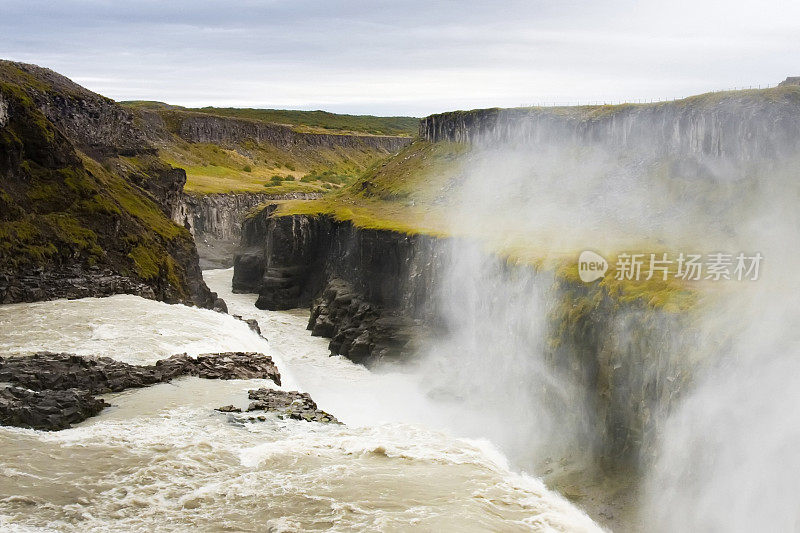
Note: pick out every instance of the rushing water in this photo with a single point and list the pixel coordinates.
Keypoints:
(161, 459)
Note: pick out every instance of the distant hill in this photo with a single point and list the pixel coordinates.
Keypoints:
(304, 121)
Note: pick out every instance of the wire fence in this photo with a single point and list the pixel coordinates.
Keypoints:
(572, 103)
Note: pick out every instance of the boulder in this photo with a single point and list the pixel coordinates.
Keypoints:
(291, 404)
(47, 410)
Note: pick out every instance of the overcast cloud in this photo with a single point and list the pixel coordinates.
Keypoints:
(416, 57)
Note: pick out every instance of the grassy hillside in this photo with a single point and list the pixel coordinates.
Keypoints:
(304, 121)
(403, 193)
(255, 166)
(265, 168)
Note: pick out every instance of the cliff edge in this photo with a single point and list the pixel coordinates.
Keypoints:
(84, 201)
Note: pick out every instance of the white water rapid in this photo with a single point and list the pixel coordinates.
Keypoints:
(161, 459)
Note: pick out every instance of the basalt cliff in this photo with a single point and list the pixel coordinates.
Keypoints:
(85, 204)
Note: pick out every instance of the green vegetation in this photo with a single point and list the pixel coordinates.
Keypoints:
(305, 121)
(60, 207)
(408, 193)
(253, 167)
(248, 165)
(398, 194)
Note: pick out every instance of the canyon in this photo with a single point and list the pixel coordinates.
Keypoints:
(451, 256)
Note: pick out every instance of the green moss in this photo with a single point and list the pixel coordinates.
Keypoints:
(22, 244)
(99, 205)
(670, 294)
(134, 202)
(44, 192)
(17, 76)
(72, 233)
(146, 262)
(151, 263)
(27, 121)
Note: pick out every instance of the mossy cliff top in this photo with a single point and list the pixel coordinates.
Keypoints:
(301, 121)
(70, 199)
(699, 163)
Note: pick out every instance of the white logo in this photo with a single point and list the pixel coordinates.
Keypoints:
(591, 266)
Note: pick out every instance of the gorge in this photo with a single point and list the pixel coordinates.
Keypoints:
(480, 294)
(425, 292)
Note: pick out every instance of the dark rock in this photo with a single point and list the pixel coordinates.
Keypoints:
(62, 371)
(228, 409)
(71, 282)
(359, 330)
(292, 259)
(219, 305)
(236, 365)
(292, 404)
(47, 410)
(215, 221)
(252, 323)
(55, 380)
(248, 267)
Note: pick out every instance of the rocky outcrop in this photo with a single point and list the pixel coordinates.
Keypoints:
(215, 221)
(791, 80)
(289, 259)
(3, 111)
(737, 126)
(61, 371)
(97, 125)
(374, 285)
(252, 323)
(362, 331)
(59, 388)
(84, 200)
(287, 404)
(71, 282)
(50, 410)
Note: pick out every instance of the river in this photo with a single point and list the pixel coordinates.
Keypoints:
(161, 459)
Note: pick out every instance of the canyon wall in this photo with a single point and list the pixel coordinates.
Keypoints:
(376, 294)
(203, 128)
(215, 221)
(76, 217)
(737, 127)
(194, 127)
(288, 260)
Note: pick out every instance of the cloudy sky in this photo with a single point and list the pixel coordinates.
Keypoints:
(405, 57)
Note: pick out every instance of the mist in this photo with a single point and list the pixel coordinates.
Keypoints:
(710, 439)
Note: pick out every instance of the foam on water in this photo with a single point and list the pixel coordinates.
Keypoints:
(162, 460)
